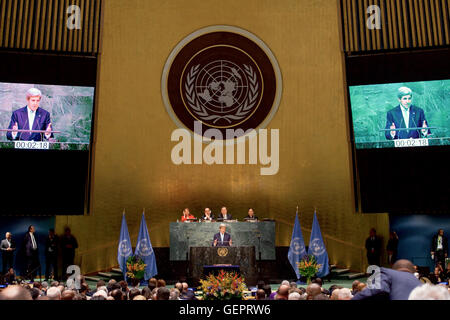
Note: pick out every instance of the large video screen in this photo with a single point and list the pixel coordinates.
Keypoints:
(38, 116)
(396, 115)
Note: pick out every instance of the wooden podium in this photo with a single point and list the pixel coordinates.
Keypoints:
(244, 256)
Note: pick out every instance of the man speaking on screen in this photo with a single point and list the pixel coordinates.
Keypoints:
(30, 117)
(405, 116)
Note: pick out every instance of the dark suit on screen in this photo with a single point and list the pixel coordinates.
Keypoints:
(416, 119)
(394, 285)
(225, 242)
(7, 255)
(41, 122)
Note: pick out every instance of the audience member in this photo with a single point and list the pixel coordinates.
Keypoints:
(429, 292)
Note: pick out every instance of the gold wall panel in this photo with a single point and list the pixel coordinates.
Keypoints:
(41, 25)
(404, 24)
(132, 165)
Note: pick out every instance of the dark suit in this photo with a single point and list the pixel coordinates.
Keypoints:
(226, 240)
(439, 255)
(416, 119)
(251, 218)
(394, 285)
(41, 122)
(7, 255)
(31, 255)
(373, 247)
(229, 217)
(51, 257)
(68, 246)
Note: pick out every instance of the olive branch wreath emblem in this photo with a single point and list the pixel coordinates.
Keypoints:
(202, 112)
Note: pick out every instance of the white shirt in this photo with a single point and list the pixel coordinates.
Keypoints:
(33, 240)
(405, 112)
(439, 243)
(31, 116)
(9, 243)
(221, 236)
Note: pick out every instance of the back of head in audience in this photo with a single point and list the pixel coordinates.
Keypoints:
(260, 294)
(152, 283)
(53, 293)
(313, 290)
(160, 283)
(174, 294)
(294, 296)
(429, 292)
(283, 292)
(35, 293)
(15, 293)
(404, 265)
(163, 294)
(117, 294)
(345, 294)
(68, 295)
(133, 293)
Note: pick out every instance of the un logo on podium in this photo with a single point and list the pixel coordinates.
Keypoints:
(222, 252)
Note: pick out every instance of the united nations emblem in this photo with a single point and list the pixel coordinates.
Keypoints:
(143, 249)
(222, 252)
(317, 247)
(224, 77)
(297, 247)
(124, 248)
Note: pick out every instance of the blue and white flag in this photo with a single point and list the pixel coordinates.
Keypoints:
(317, 248)
(297, 248)
(124, 250)
(145, 251)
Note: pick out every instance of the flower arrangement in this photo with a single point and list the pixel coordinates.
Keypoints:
(224, 286)
(135, 267)
(308, 267)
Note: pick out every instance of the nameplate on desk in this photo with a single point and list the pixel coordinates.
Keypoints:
(38, 145)
(406, 143)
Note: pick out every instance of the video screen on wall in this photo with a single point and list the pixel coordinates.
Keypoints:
(46, 117)
(404, 114)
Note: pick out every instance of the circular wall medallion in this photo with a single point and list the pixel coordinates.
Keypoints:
(224, 77)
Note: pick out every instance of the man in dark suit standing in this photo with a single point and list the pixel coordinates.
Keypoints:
(30, 117)
(373, 247)
(393, 284)
(68, 246)
(31, 253)
(8, 246)
(224, 214)
(51, 255)
(439, 248)
(404, 116)
(222, 239)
